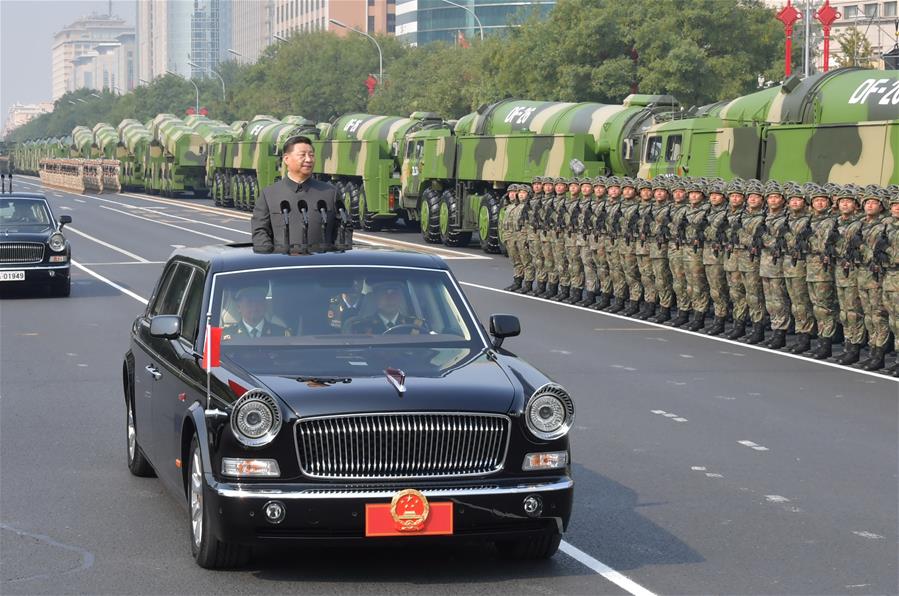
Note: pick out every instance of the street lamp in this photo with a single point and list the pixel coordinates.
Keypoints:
(213, 72)
(470, 11)
(235, 52)
(97, 95)
(373, 40)
(192, 83)
(144, 81)
(278, 37)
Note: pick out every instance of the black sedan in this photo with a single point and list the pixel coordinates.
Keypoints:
(346, 396)
(33, 249)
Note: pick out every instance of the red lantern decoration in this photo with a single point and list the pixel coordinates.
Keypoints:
(190, 111)
(788, 16)
(370, 83)
(204, 112)
(826, 15)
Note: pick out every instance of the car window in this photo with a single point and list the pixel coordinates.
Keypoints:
(171, 299)
(16, 212)
(653, 149)
(673, 148)
(161, 288)
(193, 302)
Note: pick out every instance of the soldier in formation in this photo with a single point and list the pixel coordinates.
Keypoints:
(701, 253)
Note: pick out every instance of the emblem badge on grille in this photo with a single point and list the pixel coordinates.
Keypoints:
(409, 509)
(397, 378)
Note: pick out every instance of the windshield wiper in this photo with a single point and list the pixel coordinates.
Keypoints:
(324, 380)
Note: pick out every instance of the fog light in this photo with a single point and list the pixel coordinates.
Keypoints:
(265, 468)
(274, 512)
(533, 505)
(545, 461)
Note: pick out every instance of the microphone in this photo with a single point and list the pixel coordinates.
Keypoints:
(303, 248)
(285, 212)
(342, 243)
(323, 212)
(304, 207)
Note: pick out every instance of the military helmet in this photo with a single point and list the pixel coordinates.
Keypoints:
(642, 183)
(773, 187)
(872, 191)
(678, 183)
(659, 182)
(560, 180)
(847, 191)
(537, 180)
(736, 186)
(717, 186)
(791, 189)
(754, 187)
(813, 190)
(613, 181)
(600, 181)
(695, 185)
(628, 181)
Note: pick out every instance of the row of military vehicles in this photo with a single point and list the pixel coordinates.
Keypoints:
(447, 177)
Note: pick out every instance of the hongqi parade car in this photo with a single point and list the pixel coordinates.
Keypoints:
(33, 249)
(341, 396)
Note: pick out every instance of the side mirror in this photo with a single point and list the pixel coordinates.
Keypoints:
(503, 326)
(64, 219)
(165, 326)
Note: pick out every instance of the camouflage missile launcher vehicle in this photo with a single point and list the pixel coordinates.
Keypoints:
(133, 151)
(252, 158)
(83, 143)
(106, 139)
(841, 127)
(453, 179)
(177, 158)
(362, 155)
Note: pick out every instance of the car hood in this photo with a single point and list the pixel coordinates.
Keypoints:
(480, 385)
(25, 233)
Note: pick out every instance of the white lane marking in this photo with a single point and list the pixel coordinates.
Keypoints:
(65, 208)
(172, 215)
(623, 367)
(680, 419)
(713, 475)
(670, 415)
(752, 445)
(686, 355)
(725, 397)
(698, 468)
(57, 194)
(563, 352)
(678, 383)
(617, 578)
(123, 263)
(109, 282)
(80, 201)
(726, 353)
(776, 499)
(762, 349)
(657, 411)
(868, 535)
(107, 245)
(163, 223)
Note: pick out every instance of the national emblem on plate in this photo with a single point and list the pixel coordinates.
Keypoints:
(409, 509)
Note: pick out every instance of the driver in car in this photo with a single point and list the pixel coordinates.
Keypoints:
(389, 316)
(251, 306)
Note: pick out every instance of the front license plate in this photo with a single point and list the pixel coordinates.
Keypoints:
(380, 521)
(12, 276)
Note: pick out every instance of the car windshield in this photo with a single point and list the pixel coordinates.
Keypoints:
(23, 212)
(270, 315)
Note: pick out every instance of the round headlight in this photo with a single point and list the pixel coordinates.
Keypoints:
(57, 242)
(256, 418)
(549, 412)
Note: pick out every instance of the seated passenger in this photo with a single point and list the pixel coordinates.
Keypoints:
(252, 307)
(389, 300)
(345, 305)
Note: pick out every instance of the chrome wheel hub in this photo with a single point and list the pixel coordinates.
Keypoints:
(132, 436)
(196, 498)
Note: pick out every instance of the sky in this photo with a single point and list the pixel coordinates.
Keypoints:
(26, 37)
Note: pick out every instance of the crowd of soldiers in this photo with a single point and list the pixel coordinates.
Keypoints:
(695, 253)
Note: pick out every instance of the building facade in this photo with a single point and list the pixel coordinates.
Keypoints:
(19, 114)
(252, 24)
(81, 37)
(109, 66)
(423, 21)
(370, 16)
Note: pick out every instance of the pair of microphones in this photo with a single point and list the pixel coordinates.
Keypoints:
(322, 207)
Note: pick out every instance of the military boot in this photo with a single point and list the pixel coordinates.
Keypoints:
(876, 361)
(756, 335)
(698, 321)
(602, 301)
(589, 298)
(895, 370)
(739, 329)
(561, 295)
(525, 286)
(541, 287)
(662, 315)
(616, 306)
(551, 289)
(824, 349)
(778, 339)
(575, 295)
(850, 353)
(647, 310)
(802, 344)
(717, 327)
(682, 318)
(516, 283)
(632, 308)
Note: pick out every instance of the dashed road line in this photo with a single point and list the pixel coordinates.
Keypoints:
(107, 244)
(670, 415)
(754, 446)
(171, 225)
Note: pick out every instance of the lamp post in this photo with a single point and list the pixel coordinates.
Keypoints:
(192, 83)
(234, 52)
(97, 95)
(213, 72)
(373, 40)
(471, 12)
(278, 37)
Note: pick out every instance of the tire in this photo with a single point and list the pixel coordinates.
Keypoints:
(351, 198)
(448, 233)
(252, 191)
(138, 464)
(217, 189)
(61, 289)
(530, 548)
(366, 219)
(488, 225)
(237, 193)
(227, 186)
(208, 551)
(429, 216)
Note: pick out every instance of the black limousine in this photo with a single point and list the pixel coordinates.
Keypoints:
(33, 249)
(341, 396)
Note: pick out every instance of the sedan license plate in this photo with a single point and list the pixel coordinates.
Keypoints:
(12, 276)
(408, 514)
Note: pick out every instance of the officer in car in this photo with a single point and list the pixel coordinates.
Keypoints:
(345, 305)
(389, 315)
(253, 322)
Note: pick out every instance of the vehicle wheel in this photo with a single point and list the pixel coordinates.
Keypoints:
(138, 463)
(351, 198)
(238, 193)
(530, 548)
(217, 189)
(61, 289)
(488, 224)
(449, 234)
(366, 219)
(227, 186)
(252, 191)
(429, 216)
(208, 551)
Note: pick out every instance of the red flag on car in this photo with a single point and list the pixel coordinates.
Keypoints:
(212, 347)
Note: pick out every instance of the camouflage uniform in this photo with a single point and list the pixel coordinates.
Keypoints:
(735, 288)
(794, 268)
(584, 231)
(613, 239)
(697, 283)
(851, 314)
(777, 301)
(891, 275)
(534, 236)
(522, 231)
(713, 256)
(559, 240)
(643, 250)
(571, 223)
(658, 238)
(509, 235)
(819, 274)
(627, 246)
(870, 287)
(676, 224)
(548, 238)
(747, 249)
(598, 245)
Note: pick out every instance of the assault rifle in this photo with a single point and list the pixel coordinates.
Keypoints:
(720, 237)
(881, 258)
(699, 240)
(616, 224)
(680, 237)
(587, 219)
(755, 244)
(734, 237)
(852, 249)
(830, 248)
(780, 243)
(664, 232)
(646, 225)
(599, 223)
(800, 244)
(524, 216)
(575, 217)
(631, 231)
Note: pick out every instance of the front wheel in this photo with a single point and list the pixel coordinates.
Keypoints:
(449, 233)
(488, 225)
(138, 464)
(531, 547)
(429, 216)
(208, 551)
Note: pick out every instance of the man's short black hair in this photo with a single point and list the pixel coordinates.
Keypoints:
(296, 140)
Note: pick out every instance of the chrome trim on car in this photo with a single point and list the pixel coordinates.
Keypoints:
(21, 252)
(402, 445)
(260, 492)
(33, 267)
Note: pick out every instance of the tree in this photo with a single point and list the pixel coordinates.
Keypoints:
(855, 49)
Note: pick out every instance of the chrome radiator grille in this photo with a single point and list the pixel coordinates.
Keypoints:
(21, 252)
(398, 446)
